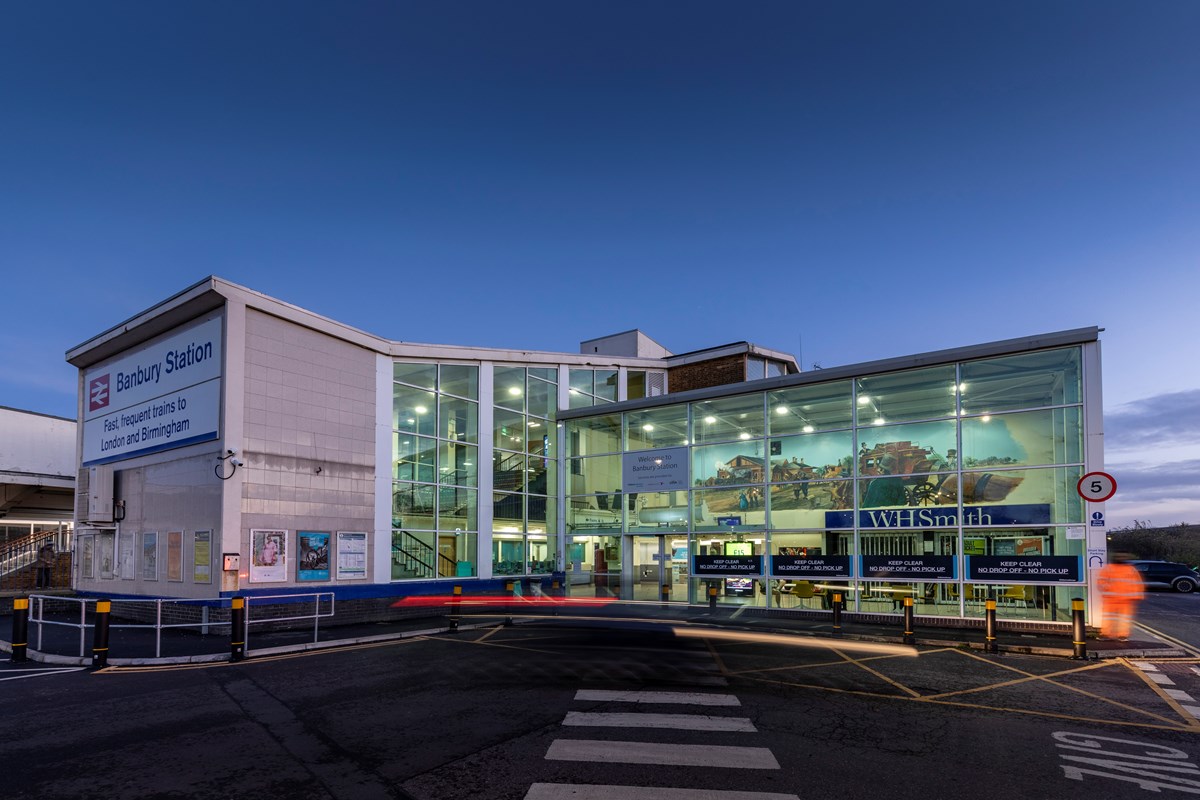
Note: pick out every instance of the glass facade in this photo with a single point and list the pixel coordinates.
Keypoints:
(950, 484)
(524, 470)
(435, 470)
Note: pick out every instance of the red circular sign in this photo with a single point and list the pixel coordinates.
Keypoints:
(1096, 487)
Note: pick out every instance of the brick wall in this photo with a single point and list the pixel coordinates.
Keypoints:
(717, 372)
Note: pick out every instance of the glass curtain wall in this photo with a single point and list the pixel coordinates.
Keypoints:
(435, 469)
(949, 485)
(524, 470)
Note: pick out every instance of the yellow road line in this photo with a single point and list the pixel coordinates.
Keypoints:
(1158, 690)
(487, 644)
(1026, 679)
(978, 706)
(878, 674)
(832, 663)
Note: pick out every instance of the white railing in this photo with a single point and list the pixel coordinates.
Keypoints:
(316, 616)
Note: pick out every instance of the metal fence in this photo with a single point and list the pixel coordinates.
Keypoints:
(165, 627)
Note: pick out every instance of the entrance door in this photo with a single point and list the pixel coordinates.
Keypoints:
(654, 563)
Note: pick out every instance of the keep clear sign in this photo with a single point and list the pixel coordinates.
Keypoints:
(1023, 569)
(663, 470)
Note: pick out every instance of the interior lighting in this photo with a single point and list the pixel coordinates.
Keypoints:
(879, 421)
(420, 409)
(781, 410)
(647, 427)
(412, 421)
(807, 429)
(986, 418)
(863, 399)
(709, 420)
(514, 390)
(743, 435)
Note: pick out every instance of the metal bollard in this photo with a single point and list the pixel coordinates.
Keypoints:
(990, 645)
(712, 597)
(908, 620)
(20, 629)
(237, 629)
(1078, 634)
(666, 594)
(837, 614)
(455, 599)
(100, 641)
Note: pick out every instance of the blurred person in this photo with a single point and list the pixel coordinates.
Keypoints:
(45, 565)
(1122, 589)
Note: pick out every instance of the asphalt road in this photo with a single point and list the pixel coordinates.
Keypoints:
(1174, 614)
(544, 712)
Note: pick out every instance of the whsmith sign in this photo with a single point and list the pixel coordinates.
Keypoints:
(163, 395)
(937, 516)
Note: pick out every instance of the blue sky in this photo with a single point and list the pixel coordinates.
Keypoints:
(845, 181)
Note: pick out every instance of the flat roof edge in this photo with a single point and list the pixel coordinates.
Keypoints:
(1043, 341)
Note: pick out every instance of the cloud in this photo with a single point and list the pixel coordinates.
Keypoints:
(1163, 419)
(1174, 480)
(1164, 493)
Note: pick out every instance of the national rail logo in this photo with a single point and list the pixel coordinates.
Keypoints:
(98, 394)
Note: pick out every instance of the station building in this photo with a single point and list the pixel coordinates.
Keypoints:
(232, 443)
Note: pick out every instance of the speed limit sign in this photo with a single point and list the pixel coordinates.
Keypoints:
(1096, 487)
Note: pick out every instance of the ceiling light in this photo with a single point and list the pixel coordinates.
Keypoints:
(709, 420)
(743, 435)
(514, 390)
(647, 427)
(986, 418)
(878, 421)
(420, 409)
(807, 429)
(863, 399)
(781, 410)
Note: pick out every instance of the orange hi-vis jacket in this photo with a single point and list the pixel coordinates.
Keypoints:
(1120, 582)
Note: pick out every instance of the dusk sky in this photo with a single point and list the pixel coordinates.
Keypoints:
(842, 181)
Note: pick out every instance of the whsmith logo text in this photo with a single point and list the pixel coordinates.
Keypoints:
(1030, 514)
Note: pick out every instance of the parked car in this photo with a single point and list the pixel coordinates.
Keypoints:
(1167, 575)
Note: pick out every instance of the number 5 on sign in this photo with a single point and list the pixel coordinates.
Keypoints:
(1096, 487)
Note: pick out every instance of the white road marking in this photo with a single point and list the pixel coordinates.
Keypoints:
(685, 722)
(686, 755)
(1145, 666)
(1193, 710)
(672, 698)
(570, 791)
(1177, 694)
(1160, 679)
(40, 673)
(1196, 670)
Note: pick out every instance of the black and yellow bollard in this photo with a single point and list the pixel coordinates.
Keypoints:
(989, 633)
(20, 629)
(666, 594)
(100, 640)
(455, 599)
(712, 597)
(836, 605)
(512, 595)
(237, 629)
(908, 619)
(1078, 633)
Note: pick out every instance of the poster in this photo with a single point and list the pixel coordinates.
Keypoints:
(150, 556)
(126, 547)
(175, 555)
(107, 556)
(314, 556)
(87, 557)
(352, 555)
(202, 557)
(268, 560)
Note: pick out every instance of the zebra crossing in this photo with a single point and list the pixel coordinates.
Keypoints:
(606, 751)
